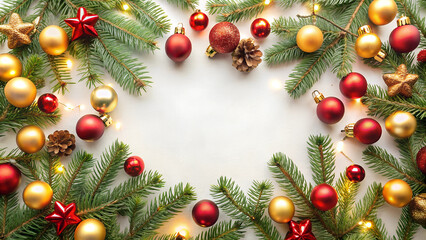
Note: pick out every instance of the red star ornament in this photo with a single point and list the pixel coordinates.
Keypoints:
(63, 216)
(300, 231)
(83, 24)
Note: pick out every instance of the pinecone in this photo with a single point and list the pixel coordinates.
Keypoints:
(60, 143)
(246, 56)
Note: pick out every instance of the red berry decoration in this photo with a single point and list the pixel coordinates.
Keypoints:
(353, 85)
(355, 173)
(421, 57)
(260, 28)
(83, 24)
(90, 128)
(10, 178)
(421, 160)
(134, 166)
(324, 197)
(405, 38)
(224, 38)
(205, 213)
(178, 46)
(198, 20)
(47, 103)
(300, 231)
(329, 110)
(63, 216)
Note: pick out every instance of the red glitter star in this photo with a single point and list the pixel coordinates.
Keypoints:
(63, 216)
(300, 231)
(83, 24)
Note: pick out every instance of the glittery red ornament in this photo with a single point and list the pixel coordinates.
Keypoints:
(421, 160)
(134, 166)
(47, 103)
(421, 57)
(353, 85)
(260, 28)
(330, 110)
(205, 213)
(10, 178)
(355, 173)
(90, 128)
(224, 37)
(178, 46)
(405, 38)
(367, 131)
(63, 216)
(300, 231)
(198, 20)
(83, 24)
(324, 197)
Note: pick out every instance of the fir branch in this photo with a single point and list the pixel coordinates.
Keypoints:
(347, 192)
(284, 51)
(13, 6)
(185, 4)
(33, 70)
(393, 60)
(235, 10)
(223, 231)
(344, 57)
(59, 73)
(322, 159)
(259, 196)
(406, 225)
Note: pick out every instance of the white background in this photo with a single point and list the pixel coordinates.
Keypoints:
(203, 119)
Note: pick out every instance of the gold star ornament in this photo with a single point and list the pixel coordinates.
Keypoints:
(400, 82)
(17, 32)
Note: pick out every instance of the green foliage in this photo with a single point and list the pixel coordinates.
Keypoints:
(223, 231)
(322, 159)
(185, 4)
(235, 10)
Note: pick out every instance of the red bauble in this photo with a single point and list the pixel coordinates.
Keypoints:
(205, 213)
(355, 173)
(353, 85)
(260, 28)
(83, 24)
(421, 160)
(198, 21)
(367, 131)
(330, 110)
(63, 216)
(10, 178)
(324, 197)
(300, 231)
(134, 166)
(47, 103)
(404, 39)
(90, 128)
(178, 47)
(224, 37)
(421, 57)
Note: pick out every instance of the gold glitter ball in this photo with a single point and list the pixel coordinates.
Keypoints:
(418, 209)
(17, 32)
(400, 82)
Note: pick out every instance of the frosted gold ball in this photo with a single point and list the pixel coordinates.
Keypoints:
(37, 195)
(90, 229)
(382, 12)
(281, 209)
(397, 193)
(30, 139)
(401, 124)
(309, 38)
(10, 67)
(368, 45)
(20, 92)
(53, 40)
(104, 99)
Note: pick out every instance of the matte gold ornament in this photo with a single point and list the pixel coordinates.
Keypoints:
(10, 67)
(382, 12)
(281, 209)
(309, 38)
(20, 92)
(53, 40)
(104, 99)
(30, 139)
(397, 193)
(401, 124)
(400, 82)
(368, 44)
(90, 229)
(37, 195)
(418, 209)
(17, 32)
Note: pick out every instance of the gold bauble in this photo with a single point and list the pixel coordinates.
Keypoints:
(10, 67)
(37, 195)
(20, 92)
(104, 99)
(401, 124)
(30, 139)
(382, 12)
(397, 193)
(368, 44)
(90, 229)
(281, 209)
(309, 38)
(53, 40)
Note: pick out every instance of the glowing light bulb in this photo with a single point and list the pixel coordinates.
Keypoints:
(358, 100)
(68, 107)
(276, 84)
(368, 224)
(316, 8)
(82, 107)
(267, 2)
(60, 169)
(339, 146)
(182, 233)
(69, 64)
(125, 7)
(118, 125)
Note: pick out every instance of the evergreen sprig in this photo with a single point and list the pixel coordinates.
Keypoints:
(235, 10)
(185, 4)
(223, 231)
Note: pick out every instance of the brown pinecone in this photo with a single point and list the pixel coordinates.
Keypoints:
(60, 143)
(246, 56)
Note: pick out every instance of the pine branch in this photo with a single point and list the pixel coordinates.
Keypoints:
(347, 192)
(259, 196)
(223, 231)
(33, 70)
(185, 4)
(235, 10)
(322, 159)
(406, 226)
(284, 51)
(13, 6)
(344, 57)
(59, 73)
(393, 60)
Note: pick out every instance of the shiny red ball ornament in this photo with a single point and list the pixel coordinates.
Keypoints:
(260, 28)
(198, 20)
(205, 213)
(224, 37)
(406, 37)
(353, 85)
(134, 166)
(83, 24)
(367, 131)
(47, 103)
(324, 197)
(90, 128)
(10, 178)
(355, 173)
(300, 231)
(421, 57)
(421, 160)
(63, 216)
(178, 46)
(329, 110)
